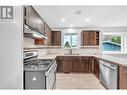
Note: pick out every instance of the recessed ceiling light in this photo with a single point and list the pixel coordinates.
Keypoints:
(78, 12)
(63, 19)
(71, 25)
(87, 19)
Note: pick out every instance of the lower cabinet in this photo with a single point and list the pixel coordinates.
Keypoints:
(59, 61)
(122, 77)
(96, 67)
(87, 63)
(67, 66)
(77, 64)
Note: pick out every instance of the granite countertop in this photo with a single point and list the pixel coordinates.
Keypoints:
(53, 56)
(110, 58)
(114, 59)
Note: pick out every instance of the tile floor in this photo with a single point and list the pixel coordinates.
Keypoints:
(77, 81)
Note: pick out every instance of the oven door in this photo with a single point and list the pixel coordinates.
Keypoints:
(51, 81)
(51, 77)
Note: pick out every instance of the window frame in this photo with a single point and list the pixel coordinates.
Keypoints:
(110, 52)
(70, 40)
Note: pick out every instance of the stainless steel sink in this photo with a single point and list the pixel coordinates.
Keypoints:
(71, 52)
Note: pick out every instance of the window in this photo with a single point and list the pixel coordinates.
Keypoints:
(112, 42)
(70, 40)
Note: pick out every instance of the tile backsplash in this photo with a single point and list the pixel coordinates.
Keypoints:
(29, 43)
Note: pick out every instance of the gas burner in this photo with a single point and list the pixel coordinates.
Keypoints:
(38, 64)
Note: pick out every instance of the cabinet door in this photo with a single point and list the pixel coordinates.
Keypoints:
(32, 18)
(77, 66)
(87, 64)
(90, 38)
(96, 67)
(56, 38)
(48, 33)
(59, 64)
(122, 77)
(67, 66)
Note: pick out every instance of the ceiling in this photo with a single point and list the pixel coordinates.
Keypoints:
(83, 16)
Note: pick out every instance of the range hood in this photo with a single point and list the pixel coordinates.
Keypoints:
(32, 33)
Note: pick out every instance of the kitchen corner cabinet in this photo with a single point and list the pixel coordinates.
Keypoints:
(96, 67)
(59, 60)
(87, 64)
(90, 38)
(56, 38)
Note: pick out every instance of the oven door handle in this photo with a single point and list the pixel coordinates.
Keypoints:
(51, 70)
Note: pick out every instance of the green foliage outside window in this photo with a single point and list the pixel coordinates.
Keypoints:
(67, 44)
(116, 39)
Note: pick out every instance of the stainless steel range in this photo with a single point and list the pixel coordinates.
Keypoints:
(39, 73)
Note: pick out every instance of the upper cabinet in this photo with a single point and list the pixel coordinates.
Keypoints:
(33, 19)
(90, 38)
(56, 38)
(48, 33)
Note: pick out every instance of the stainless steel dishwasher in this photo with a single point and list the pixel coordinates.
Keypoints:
(109, 75)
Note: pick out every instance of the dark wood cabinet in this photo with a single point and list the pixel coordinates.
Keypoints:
(76, 64)
(90, 38)
(59, 60)
(33, 19)
(48, 33)
(122, 77)
(96, 67)
(67, 64)
(56, 38)
(87, 63)
(39, 41)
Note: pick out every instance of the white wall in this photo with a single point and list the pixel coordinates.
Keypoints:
(125, 43)
(11, 61)
(27, 42)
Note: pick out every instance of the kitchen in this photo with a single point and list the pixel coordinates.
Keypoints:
(72, 47)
